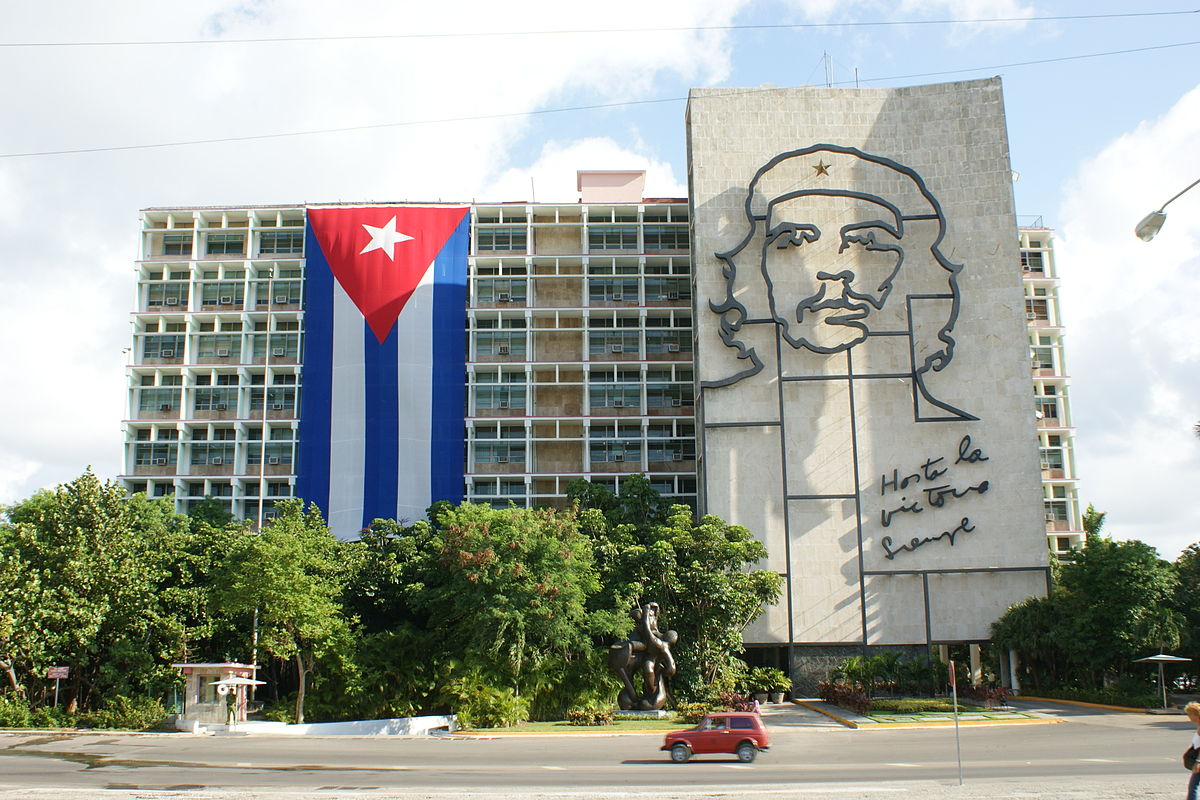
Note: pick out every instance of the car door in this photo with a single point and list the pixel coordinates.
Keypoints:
(710, 736)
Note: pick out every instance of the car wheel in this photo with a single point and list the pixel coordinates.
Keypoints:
(680, 753)
(746, 752)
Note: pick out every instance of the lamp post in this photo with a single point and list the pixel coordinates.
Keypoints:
(1150, 225)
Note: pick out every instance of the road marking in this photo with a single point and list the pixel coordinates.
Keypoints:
(1101, 760)
(242, 764)
(737, 766)
(900, 764)
(549, 767)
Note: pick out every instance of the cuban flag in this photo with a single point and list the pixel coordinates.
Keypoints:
(381, 414)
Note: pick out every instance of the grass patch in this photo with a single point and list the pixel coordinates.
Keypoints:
(891, 706)
(562, 726)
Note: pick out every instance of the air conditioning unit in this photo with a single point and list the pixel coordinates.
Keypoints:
(618, 457)
(165, 407)
(501, 404)
(172, 301)
(223, 353)
(501, 459)
(618, 403)
(672, 295)
(677, 456)
(616, 348)
(277, 351)
(618, 296)
(502, 349)
(503, 297)
(166, 353)
(160, 462)
(676, 401)
(220, 407)
(273, 459)
(277, 406)
(281, 298)
(672, 347)
(225, 300)
(216, 462)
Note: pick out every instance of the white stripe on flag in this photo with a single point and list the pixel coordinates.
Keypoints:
(415, 394)
(346, 446)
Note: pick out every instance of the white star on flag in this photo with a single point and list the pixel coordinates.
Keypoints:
(385, 239)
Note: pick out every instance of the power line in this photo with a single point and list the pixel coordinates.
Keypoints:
(561, 110)
(585, 31)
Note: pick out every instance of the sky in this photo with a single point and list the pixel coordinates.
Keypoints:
(505, 101)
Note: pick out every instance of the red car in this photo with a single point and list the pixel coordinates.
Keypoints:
(741, 733)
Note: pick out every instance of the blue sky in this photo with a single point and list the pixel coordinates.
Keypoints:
(1098, 142)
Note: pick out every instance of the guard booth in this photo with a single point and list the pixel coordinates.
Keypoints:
(215, 694)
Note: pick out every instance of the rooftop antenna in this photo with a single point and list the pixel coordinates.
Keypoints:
(532, 193)
(828, 69)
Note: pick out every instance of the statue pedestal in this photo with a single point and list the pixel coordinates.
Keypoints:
(642, 714)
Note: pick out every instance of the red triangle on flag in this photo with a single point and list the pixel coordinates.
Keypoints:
(378, 254)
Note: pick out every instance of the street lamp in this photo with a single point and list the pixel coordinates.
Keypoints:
(1148, 228)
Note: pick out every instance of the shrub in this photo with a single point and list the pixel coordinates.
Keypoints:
(732, 701)
(51, 717)
(916, 705)
(14, 712)
(590, 715)
(489, 707)
(131, 713)
(692, 713)
(845, 696)
(988, 695)
(1108, 696)
(284, 711)
(767, 679)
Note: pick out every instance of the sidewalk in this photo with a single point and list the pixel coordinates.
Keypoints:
(850, 719)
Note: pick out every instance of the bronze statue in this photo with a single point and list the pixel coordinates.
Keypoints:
(647, 651)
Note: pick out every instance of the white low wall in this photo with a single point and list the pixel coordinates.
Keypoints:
(405, 726)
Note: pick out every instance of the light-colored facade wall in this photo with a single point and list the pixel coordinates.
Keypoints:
(876, 431)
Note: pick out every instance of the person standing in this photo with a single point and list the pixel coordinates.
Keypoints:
(1193, 714)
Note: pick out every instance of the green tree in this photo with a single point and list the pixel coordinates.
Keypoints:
(292, 573)
(80, 570)
(701, 573)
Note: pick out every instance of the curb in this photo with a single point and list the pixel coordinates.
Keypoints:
(1080, 703)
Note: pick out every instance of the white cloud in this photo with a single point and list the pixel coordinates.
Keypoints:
(554, 171)
(68, 224)
(1134, 334)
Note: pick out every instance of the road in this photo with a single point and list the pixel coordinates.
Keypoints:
(1089, 754)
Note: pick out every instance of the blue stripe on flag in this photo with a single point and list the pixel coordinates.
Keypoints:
(312, 477)
(448, 448)
(382, 415)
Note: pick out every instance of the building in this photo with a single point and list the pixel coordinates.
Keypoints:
(579, 350)
(1056, 436)
(870, 423)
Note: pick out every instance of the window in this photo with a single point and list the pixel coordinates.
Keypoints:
(154, 455)
(507, 239)
(1062, 543)
(1032, 262)
(616, 342)
(1052, 458)
(163, 347)
(500, 397)
(278, 399)
(503, 290)
(1056, 511)
(741, 723)
(668, 341)
(677, 450)
(618, 290)
(177, 244)
(158, 399)
(227, 293)
(277, 455)
(172, 296)
(668, 395)
(219, 346)
(612, 237)
(609, 452)
(499, 343)
(216, 455)
(668, 289)
(281, 242)
(665, 237)
(1042, 357)
(614, 395)
(1037, 311)
(216, 399)
(500, 453)
(226, 244)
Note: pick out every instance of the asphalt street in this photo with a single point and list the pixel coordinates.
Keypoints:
(1090, 753)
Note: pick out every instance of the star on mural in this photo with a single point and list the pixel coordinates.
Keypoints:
(822, 168)
(385, 239)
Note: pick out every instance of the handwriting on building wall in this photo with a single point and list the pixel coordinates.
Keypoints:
(936, 483)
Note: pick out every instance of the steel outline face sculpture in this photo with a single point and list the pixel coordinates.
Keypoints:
(842, 299)
(647, 651)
